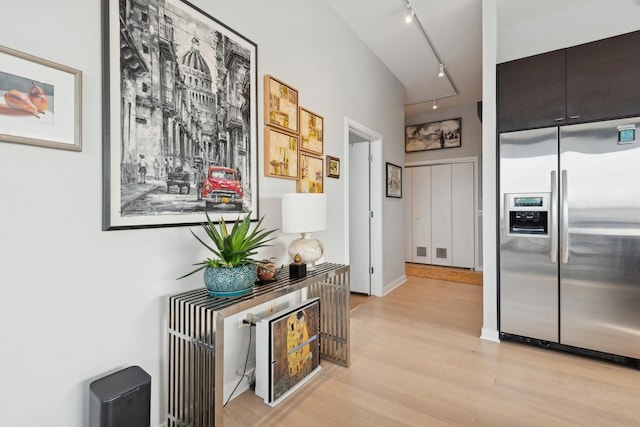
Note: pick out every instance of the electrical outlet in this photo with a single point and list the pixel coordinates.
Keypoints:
(241, 323)
(271, 308)
(249, 319)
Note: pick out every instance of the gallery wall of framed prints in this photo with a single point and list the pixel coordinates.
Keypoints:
(294, 139)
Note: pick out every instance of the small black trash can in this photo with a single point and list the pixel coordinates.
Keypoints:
(121, 399)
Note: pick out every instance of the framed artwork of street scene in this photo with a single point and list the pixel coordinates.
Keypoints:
(433, 136)
(40, 102)
(177, 139)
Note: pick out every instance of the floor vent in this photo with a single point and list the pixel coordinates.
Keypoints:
(421, 251)
(441, 253)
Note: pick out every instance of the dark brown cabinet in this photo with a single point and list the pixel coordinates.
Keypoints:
(593, 81)
(603, 79)
(531, 92)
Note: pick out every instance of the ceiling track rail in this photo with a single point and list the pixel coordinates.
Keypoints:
(409, 7)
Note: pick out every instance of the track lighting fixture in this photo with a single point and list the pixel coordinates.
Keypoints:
(410, 14)
(413, 17)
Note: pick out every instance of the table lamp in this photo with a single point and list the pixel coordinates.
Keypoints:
(305, 213)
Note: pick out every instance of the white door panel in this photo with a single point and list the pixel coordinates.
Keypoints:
(441, 214)
(462, 215)
(421, 215)
(359, 221)
(407, 175)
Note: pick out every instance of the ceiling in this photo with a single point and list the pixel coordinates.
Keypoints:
(454, 29)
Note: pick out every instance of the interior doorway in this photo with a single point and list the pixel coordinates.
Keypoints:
(360, 214)
(364, 208)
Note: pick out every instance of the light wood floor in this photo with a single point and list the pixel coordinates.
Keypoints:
(416, 360)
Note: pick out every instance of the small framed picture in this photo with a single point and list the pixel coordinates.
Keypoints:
(280, 154)
(311, 132)
(311, 172)
(333, 167)
(41, 102)
(394, 180)
(280, 105)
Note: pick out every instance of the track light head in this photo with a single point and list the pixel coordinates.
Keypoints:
(441, 72)
(410, 15)
(435, 104)
(410, 12)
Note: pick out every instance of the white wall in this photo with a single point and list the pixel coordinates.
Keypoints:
(489, 212)
(529, 28)
(516, 29)
(79, 303)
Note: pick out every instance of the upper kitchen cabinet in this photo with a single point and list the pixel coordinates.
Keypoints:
(531, 92)
(603, 79)
(593, 81)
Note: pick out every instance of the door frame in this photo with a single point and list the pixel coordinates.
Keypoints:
(376, 189)
(476, 197)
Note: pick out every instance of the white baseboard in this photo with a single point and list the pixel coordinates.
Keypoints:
(490, 335)
(391, 286)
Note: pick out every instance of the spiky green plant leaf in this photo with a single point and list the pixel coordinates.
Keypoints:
(233, 247)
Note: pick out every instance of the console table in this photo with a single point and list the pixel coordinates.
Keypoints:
(196, 338)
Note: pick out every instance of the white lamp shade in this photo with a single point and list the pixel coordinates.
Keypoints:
(304, 212)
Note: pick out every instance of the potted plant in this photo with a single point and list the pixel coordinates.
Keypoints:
(233, 270)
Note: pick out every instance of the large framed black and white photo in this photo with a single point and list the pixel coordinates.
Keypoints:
(180, 116)
(433, 136)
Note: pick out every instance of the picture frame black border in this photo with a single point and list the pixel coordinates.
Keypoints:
(458, 119)
(389, 167)
(106, 125)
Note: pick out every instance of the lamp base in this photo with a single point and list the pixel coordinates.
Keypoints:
(310, 250)
(297, 271)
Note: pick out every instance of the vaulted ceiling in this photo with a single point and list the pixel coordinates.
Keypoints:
(452, 27)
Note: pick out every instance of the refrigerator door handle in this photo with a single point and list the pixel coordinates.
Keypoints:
(564, 242)
(553, 215)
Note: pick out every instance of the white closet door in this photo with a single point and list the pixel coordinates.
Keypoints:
(407, 196)
(441, 214)
(421, 215)
(462, 215)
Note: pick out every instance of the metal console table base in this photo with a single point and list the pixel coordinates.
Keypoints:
(196, 338)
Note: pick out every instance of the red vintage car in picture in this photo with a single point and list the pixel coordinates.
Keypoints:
(222, 186)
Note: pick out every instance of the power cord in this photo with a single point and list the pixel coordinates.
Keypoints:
(246, 361)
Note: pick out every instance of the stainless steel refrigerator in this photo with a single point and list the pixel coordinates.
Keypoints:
(570, 237)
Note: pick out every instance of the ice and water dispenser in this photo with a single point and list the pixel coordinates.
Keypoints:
(527, 214)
